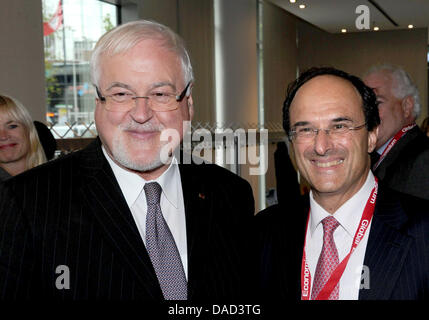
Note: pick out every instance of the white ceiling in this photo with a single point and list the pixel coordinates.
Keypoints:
(333, 15)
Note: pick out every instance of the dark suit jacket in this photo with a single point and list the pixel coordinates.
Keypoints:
(71, 212)
(397, 252)
(406, 166)
(286, 175)
(4, 175)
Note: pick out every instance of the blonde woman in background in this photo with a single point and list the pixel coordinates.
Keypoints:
(20, 148)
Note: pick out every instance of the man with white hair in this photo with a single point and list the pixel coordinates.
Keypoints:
(401, 159)
(118, 220)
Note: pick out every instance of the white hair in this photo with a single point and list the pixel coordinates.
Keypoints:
(126, 36)
(403, 86)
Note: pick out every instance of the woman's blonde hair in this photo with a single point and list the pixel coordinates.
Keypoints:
(19, 113)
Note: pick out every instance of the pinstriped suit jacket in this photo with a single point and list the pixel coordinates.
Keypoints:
(71, 212)
(397, 253)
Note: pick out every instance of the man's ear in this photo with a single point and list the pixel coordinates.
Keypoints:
(407, 107)
(97, 107)
(372, 139)
(191, 107)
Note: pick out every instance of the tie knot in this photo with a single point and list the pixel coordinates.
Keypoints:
(330, 224)
(153, 192)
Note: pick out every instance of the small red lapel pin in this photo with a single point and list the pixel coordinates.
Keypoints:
(201, 195)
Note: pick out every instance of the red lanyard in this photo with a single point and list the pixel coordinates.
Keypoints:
(395, 139)
(337, 273)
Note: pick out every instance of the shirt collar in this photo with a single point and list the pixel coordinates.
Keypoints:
(132, 184)
(349, 214)
(170, 182)
(383, 147)
(404, 129)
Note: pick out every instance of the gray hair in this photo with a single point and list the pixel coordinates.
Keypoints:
(403, 86)
(126, 36)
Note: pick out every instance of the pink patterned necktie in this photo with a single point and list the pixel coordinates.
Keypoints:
(328, 259)
(162, 248)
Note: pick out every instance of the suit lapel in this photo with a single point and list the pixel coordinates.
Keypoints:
(386, 250)
(282, 255)
(105, 200)
(198, 213)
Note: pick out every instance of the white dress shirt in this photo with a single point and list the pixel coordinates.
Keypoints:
(172, 203)
(348, 215)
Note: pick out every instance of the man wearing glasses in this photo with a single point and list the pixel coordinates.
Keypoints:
(355, 239)
(401, 157)
(117, 220)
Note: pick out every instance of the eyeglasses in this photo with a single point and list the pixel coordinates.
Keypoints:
(158, 100)
(304, 134)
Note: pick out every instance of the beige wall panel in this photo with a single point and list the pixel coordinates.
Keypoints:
(280, 59)
(21, 54)
(196, 26)
(162, 11)
(280, 64)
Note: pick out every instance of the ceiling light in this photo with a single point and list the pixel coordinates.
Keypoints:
(410, 26)
(343, 30)
(292, 1)
(376, 28)
(302, 6)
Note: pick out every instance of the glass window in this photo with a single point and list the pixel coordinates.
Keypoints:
(71, 28)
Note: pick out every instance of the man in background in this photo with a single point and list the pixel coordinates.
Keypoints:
(401, 158)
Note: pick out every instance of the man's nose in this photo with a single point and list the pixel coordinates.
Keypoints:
(3, 134)
(322, 142)
(141, 111)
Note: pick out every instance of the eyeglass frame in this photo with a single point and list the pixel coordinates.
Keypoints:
(316, 131)
(179, 98)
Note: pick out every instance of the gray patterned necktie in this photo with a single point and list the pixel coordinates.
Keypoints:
(162, 249)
